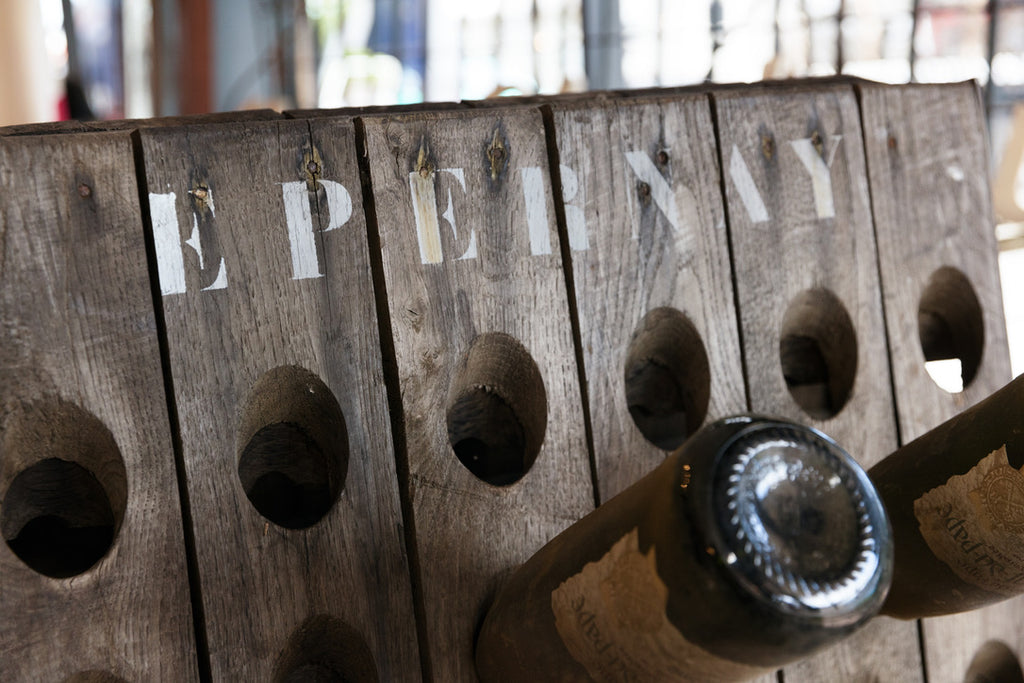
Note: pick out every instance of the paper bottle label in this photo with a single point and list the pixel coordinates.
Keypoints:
(975, 524)
(611, 617)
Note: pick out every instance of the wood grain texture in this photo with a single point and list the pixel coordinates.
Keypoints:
(644, 215)
(80, 368)
(372, 109)
(928, 170)
(268, 203)
(480, 270)
(800, 220)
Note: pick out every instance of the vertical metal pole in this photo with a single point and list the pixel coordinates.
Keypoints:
(990, 87)
(915, 8)
(602, 44)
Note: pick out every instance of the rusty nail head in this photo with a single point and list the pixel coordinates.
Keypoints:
(84, 191)
(662, 157)
(313, 167)
(645, 190)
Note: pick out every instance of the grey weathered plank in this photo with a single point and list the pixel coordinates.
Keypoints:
(646, 229)
(63, 127)
(809, 302)
(80, 381)
(483, 267)
(372, 109)
(44, 128)
(283, 283)
(926, 154)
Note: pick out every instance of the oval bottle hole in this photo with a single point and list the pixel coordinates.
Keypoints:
(667, 378)
(93, 676)
(497, 410)
(64, 506)
(994, 662)
(951, 329)
(818, 353)
(294, 448)
(325, 650)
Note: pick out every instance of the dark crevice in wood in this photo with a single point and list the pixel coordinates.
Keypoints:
(859, 93)
(389, 360)
(554, 169)
(921, 645)
(887, 333)
(732, 250)
(195, 587)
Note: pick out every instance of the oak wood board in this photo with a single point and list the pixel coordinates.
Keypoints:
(929, 176)
(476, 254)
(800, 221)
(284, 282)
(81, 381)
(645, 219)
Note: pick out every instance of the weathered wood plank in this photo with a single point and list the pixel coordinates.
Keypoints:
(86, 458)
(274, 349)
(63, 127)
(653, 286)
(485, 360)
(926, 154)
(810, 307)
(372, 109)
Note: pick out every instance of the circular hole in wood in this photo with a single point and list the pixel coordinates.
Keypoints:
(818, 353)
(667, 378)
(951, 329)
(93, 676)
(293, 453)
(65, 488)
(325, 650)
(497, 410)
(994, 662)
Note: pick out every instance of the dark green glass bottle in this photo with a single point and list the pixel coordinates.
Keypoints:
(955, 497)
(756, 543)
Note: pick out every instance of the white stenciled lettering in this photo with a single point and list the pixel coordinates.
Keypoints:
(424, 207)
(819, 170)
(746, 188)
(536, 210)
(677, 204)
(167, 242)
(575, 219)
(299, 219)
(221, 281)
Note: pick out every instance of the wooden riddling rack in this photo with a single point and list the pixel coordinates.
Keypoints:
(370, 286)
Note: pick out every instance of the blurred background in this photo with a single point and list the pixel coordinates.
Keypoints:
(140, 58)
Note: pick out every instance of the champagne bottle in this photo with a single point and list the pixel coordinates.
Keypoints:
(756, 543)
(955, 497)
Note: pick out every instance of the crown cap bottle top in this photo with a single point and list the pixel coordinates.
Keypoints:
(799, 524)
